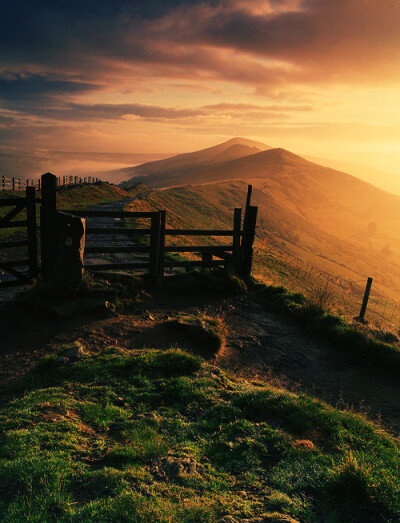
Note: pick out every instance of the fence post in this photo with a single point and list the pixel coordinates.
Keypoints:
(48, 222)
(13, 183)
(39, 183)
(248, 240)
(154, 254)
(248, 203)
(206, 258)
(162, 244)
(31, 230)
(237, 222)
(361, 317)
(3, 182)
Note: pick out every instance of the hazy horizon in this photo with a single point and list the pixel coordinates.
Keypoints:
(160, 78)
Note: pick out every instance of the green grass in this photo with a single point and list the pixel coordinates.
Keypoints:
(161, 436)
(366, 344)
(86, 196)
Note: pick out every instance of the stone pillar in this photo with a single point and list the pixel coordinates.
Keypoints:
(68, 250)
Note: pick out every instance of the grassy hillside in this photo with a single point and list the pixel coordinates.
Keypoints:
(161, 436)
(69, 197)
(326, 217)
(149, 432)
(172, 171)
(281, 231)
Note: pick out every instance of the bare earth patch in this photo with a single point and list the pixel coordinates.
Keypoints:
(259, 345)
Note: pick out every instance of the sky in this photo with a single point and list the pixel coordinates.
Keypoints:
(107, 81)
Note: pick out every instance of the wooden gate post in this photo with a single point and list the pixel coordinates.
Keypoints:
(154, 255)
(162, 244)
(32, 232)
(248, 240)
(48, 223)
(248, 203)
(237, 222)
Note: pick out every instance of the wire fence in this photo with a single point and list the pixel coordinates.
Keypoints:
(337, 293)
(17, 184)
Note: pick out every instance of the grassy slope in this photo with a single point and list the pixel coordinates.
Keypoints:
(212, 206)
(161, 436)
(328, 218)
(69, 197)
(84, 196)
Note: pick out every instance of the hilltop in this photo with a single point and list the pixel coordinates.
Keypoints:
(179, 169)
(329, 218)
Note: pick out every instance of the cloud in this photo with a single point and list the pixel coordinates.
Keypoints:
(117, 111)
(260, 43)
(78, 70)
(21, 87)
(64, 112)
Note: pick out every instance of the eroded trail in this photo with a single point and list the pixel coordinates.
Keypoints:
(260, 345)
(266, 346)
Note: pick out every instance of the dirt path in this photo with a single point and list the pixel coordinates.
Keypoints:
(266, 346)
(260, 346)
(108, 239)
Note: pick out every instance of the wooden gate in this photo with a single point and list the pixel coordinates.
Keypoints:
(236, 256)
(23, 266)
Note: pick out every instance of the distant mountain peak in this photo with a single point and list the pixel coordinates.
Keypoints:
(245, 141)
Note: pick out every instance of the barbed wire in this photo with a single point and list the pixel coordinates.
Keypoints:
(329, 291)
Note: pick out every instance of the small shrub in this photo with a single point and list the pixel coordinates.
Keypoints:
(351, 483)
(320, 297)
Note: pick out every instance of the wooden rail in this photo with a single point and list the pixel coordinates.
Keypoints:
(17, 205)
(235, 256)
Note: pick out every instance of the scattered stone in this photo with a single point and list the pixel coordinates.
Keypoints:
(304, 444)
(70, 355)
(174, 467)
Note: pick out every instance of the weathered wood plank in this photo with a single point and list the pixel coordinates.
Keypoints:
(118, 248)
(154, 256)
(116, 266)
(116, 230)
(9, 245)
(108, 214)
(20, 206)
(32, 232)
(198, 248)
(8, 202)
(198, 232)
(12, 225)
(194, 263)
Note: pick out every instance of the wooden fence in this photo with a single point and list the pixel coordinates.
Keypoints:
(13, 267)
(16, 184)
(236, 256)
